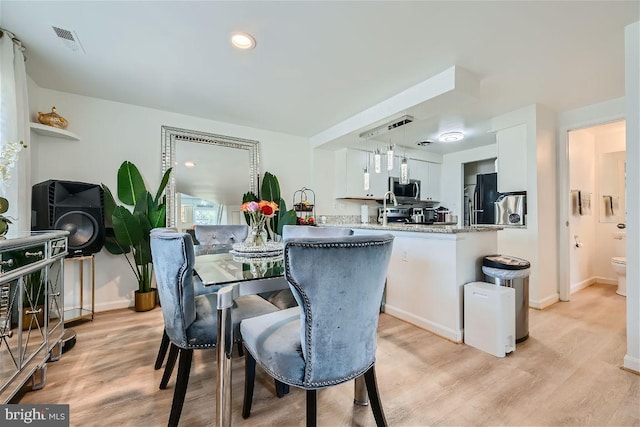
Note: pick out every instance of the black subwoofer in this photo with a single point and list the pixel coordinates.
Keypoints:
(77, 207)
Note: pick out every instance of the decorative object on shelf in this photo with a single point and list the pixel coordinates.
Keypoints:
(304, 206)
(53, 119)
(260, 214)
(270, 191)
(128, 232)
(8, 159)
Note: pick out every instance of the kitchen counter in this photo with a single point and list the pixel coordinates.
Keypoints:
(430, 264)
(443, 228)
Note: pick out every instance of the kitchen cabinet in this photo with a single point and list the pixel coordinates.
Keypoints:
(429, 175)
(31, 307)
(349, 175)
(512, 158)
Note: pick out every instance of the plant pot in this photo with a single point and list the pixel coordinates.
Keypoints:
(28, 317)
(145, 301)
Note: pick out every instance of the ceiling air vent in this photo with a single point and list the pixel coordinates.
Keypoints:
(69, 39)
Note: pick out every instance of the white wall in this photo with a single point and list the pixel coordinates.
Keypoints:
(537, 243)
(112, 132)
(582, 178)
(452, 179)
(632, 103)
(606, 142)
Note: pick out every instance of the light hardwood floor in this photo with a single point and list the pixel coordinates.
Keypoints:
(567, 373)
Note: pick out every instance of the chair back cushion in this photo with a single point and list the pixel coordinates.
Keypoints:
(292, 231)
(173, 260)
(338, 284)
(221, 234)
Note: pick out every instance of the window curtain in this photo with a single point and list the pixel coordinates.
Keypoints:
(14, 127)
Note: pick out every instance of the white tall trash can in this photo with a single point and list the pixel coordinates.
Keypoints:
(489, 318)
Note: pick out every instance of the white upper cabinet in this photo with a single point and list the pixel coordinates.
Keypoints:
(429, 175)
(349, 175)
(512, 159)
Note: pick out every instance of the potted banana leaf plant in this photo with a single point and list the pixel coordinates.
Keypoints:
(128, 226)
(270, 191)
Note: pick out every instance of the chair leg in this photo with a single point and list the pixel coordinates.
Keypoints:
(240, 349)
(281, 388)
(168, 369)
(162, 352)
(374, 397)
(184, 367)
(312, 404)
(249, 379)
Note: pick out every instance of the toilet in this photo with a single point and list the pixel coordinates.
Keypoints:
(619, 265)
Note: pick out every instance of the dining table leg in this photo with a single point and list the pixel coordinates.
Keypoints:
(223, 385)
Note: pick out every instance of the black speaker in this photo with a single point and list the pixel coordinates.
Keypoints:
(77, 207)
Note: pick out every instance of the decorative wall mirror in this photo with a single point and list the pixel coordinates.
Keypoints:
(209, 177)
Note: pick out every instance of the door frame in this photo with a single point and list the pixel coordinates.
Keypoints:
(564, 193)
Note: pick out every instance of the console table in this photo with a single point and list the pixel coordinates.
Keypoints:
(31, 307)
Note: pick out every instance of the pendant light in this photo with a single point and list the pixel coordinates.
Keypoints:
(390, 157)
(365, 175)
(377, 160)
(404, 171)
(366, 178)
(404, 166)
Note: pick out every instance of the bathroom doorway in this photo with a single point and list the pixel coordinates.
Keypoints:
(596, 206)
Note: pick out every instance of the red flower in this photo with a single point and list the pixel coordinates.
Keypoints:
(267, 210)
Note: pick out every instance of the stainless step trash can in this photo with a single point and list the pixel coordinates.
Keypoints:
(512, 272)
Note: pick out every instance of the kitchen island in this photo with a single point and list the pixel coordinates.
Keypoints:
(430, 264)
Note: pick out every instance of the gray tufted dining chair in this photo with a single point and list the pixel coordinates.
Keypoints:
(190, 319)
(284, 298)
(208, 235)
(221, 234)
(330, 338)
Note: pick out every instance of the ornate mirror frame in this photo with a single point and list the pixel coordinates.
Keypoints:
(169, 137)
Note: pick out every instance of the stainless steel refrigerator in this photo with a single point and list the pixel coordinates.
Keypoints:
(482, 209)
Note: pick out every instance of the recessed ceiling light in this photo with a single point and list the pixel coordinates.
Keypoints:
(189, 164)
(243, 41)
(451, 137)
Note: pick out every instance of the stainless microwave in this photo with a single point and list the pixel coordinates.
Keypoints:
(405, 192)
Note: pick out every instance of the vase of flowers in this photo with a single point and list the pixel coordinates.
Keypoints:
(8, 159)
(260, 215)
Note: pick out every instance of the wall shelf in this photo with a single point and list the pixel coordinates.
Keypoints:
(45, 130)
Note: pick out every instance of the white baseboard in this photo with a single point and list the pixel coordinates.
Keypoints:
(606, 280)
(545, 302)
(582, 285)
(114, 305)
(436, 328)
(632, 364)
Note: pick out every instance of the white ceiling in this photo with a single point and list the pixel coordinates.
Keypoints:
(317, 64)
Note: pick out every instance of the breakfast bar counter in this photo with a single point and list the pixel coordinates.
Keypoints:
(442, 228)
(430, 264)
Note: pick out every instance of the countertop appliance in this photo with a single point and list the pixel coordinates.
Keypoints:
(482, 209)
(405, 193)
(510, 209)
(395, 214)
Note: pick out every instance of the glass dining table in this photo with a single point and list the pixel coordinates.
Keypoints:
(235, 275)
